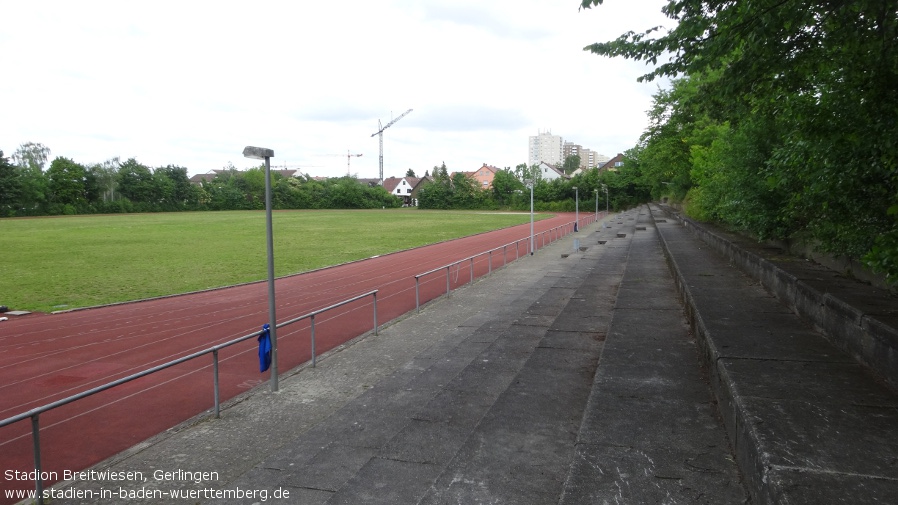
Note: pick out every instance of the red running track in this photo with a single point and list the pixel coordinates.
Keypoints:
(45, 358)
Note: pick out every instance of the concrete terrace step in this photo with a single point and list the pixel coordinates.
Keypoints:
(809, 424)
(650, 433)
(520, 450)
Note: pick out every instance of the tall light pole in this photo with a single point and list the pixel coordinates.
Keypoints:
(577, 208)
(604, 187)
(260, 153)
(597, 204)
(532, 245)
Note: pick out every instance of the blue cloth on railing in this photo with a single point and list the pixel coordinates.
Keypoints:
(264, 348)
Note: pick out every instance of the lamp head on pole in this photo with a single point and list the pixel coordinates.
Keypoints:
(257, 153)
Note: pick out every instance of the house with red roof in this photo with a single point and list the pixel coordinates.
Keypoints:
(402, 187)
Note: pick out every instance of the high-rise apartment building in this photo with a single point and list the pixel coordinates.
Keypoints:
(571, 149)
(552, 149)
(588, 158)
(546, 147)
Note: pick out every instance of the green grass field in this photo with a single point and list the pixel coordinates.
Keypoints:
(58, 263)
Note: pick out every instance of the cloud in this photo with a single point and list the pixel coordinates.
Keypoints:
(480, 18)
(192, 83)
(468, 118)
(335, 110)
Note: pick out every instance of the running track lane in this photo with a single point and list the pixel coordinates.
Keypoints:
(44, 358)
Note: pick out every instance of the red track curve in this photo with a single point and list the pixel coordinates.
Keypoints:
(45, 358)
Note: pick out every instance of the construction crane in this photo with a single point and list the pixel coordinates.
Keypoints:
(348, 156)
(380, 133)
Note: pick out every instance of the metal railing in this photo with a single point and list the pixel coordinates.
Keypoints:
(552, 235)
(35, 413)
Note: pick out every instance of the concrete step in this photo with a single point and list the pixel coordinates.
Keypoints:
(650, 432)
(521, 449)
(809, 423)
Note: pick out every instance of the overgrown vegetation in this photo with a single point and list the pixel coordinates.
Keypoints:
(782, 119)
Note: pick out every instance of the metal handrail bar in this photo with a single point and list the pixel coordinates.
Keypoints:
(471, 258)
(311, 316)
(35, 413)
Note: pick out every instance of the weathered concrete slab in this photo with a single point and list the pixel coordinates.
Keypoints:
(650, 432)
(802, 414)
(628, 474)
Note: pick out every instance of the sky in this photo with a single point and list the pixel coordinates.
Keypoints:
(192, 82)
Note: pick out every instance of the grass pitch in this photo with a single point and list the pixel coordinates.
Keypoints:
(59, 263)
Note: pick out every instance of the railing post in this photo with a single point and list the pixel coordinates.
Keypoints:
(472, 270)
(36, 438)
(505, 255)
(215, 382)
(313, 340)
(490, 270)
(417, 297)
(375, 313)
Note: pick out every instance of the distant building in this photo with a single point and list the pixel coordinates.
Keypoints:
(212, 174)
(599, 160)
(401, 187)
(613, 164)
(572, 149)
(198, 179)
(371, 183)
(546, 147)
(421, 183)
(588, 158)
(484, 176)
(549, 172)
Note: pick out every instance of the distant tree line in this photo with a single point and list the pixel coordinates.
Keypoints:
(31, 187)
(510, 190)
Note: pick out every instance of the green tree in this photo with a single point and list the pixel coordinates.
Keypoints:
(66, 184)
(800, 113)
(505, 186)
(175, 188)
(465, 192)
(136, 183)
(30, 159)
(571, 163)
(435, 195)
(410, 173)
(105, 177)
(31, 156)
(10, 188)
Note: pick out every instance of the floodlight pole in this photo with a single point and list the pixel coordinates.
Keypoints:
(606, 198)
(260, 153)
(532, 245)
(597, 204)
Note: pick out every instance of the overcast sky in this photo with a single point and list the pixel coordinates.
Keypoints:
(191, 83)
